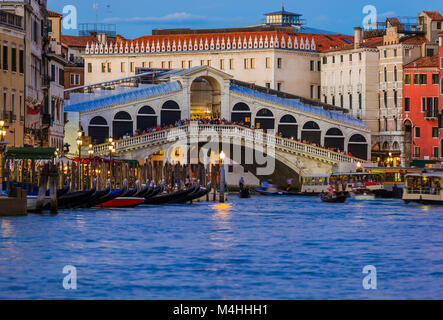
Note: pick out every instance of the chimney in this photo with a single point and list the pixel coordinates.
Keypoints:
(358, 35)
(101, 37)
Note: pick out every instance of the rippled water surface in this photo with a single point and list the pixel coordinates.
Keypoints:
(259, 248)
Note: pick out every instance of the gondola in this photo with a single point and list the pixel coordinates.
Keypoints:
(264, 192)
(131, 193)
(163, 199)
(75, 199)
(341, 198)
(123, 202)
(245, 193)
(96, 196)
(110, 196)
(197, 194)
(155, 191)
(144, 190)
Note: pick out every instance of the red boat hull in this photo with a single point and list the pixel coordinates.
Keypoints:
(122, 203)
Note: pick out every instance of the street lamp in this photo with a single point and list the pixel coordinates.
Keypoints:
(222, 177)
(111, 148)
(79, 143)
(2, 139)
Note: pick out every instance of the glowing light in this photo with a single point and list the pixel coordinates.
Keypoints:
(222, 155)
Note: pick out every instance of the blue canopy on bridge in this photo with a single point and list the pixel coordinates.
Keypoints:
(294, 103)
(79, 102)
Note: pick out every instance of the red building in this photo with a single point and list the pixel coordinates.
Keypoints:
(421, 90)
(441, 93)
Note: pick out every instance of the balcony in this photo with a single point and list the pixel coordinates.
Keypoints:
(11, 20)
(431, 116)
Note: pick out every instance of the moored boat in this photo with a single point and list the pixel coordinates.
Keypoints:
(245, 193)
(334, 198)
(424, 188)
(166, 198)
(362, 194)
(123, 202)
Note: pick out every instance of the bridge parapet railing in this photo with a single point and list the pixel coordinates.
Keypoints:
(249, 135)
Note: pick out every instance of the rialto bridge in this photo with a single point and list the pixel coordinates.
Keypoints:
(306, 134)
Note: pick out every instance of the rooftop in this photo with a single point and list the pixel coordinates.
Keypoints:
(283, 12)
(434, 15)
(54, 14)
(425, 62)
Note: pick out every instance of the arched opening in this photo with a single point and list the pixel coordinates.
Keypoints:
(205, 99)
(265, 120)
(386, 146)
(358, 146)
(122, 125)
(170, 113)
(335, 139)
(395, 146)
(288, 127)
(241, 113)
(146, 118)
(98, 130)
(407, 129)
(311, 133)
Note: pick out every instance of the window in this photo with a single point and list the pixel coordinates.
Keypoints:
(246, 64)
(416, 79)
(341, 59)
(21, 106)
(75, 79)
(435, 152)
(61, 77)
(318, 65)
(21, 61)
(395, 74)
(279, 63)
(312, 92)
(417, 132)
(5, 56)
(252, 63)
(109, 67)
(12, 102)
(189, 64)
(407, 78)
(312, 65)
(222, 64)
(350, 101)
(385, 74)
(150, 64)
(184, 64)
(359, 56)
(395, 52)
(132, 65)
(429, 52)
(416, 152)
(202, 62)
(89, 67)
(385, 53)
(423, 104)
(325, 60)
(170, 65)
(395, 99)
(341, 101)
(407, 104)
(333, 59)
(318, 92)
(435, 77)
(268, 85)
(360, 101)
(434, 132)
(268, 63)
(231, 64)
(103, 67)
(279, 86)
(385, 96)
(438, 25)
(423, 79)
(5, 99)
(13, 59)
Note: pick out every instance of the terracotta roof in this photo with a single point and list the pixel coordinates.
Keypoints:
(434, 15)
(54, 14)
(425, 62)
(394, 23)
(414, 40)
(322, 41)
(366, 43)
(81, 41)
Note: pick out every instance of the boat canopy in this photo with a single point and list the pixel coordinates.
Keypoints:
(30, 153)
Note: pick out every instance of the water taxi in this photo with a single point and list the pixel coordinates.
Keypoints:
(424, 188)
(315, 183)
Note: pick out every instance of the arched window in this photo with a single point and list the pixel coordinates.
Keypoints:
(264, 119)
(241, 113)
(288, 127)
(146, 118)
(395, 74)
(358, 146)
(311, 133)
(122, 125)
(335, 139)
(385, 74)
(98, 130)
(170, 113)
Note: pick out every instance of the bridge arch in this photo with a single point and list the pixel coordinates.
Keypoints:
(170, 112)
(335, 139)
(241, 113)
(98, 130)
(122, 124)
(311, 132)
(358, 146)
(205, 98)
(146, 118)
(264, 119)
(288, 127)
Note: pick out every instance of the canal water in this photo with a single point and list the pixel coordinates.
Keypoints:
(259, 248)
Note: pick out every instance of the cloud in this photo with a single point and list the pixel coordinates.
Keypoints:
(384, 15)
(173, 18)
(321, 19)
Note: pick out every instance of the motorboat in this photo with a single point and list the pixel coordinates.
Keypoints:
(362, 194)
(424, 188)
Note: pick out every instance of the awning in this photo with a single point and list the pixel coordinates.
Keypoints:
(30, 153)
(422, 163)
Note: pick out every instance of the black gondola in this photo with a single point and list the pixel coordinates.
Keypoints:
(72, 200)
(245, 193)
(198, 194)
(188, 197)
(336, 198)
(144, 191)
(163, 199)
(96, 196)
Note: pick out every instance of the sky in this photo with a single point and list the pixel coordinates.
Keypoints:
(134, 18)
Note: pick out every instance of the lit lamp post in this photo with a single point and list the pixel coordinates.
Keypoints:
(111, 148)
(2, 143)
(79, 143)
(222, 177)
(90, 153)
(359, 167)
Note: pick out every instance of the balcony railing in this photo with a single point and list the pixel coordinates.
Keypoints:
(11, 20)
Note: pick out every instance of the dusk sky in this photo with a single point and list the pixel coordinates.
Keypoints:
(135, 18)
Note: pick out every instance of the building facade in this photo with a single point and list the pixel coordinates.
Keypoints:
(12, 77)
(422, 107)
(274, 55)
